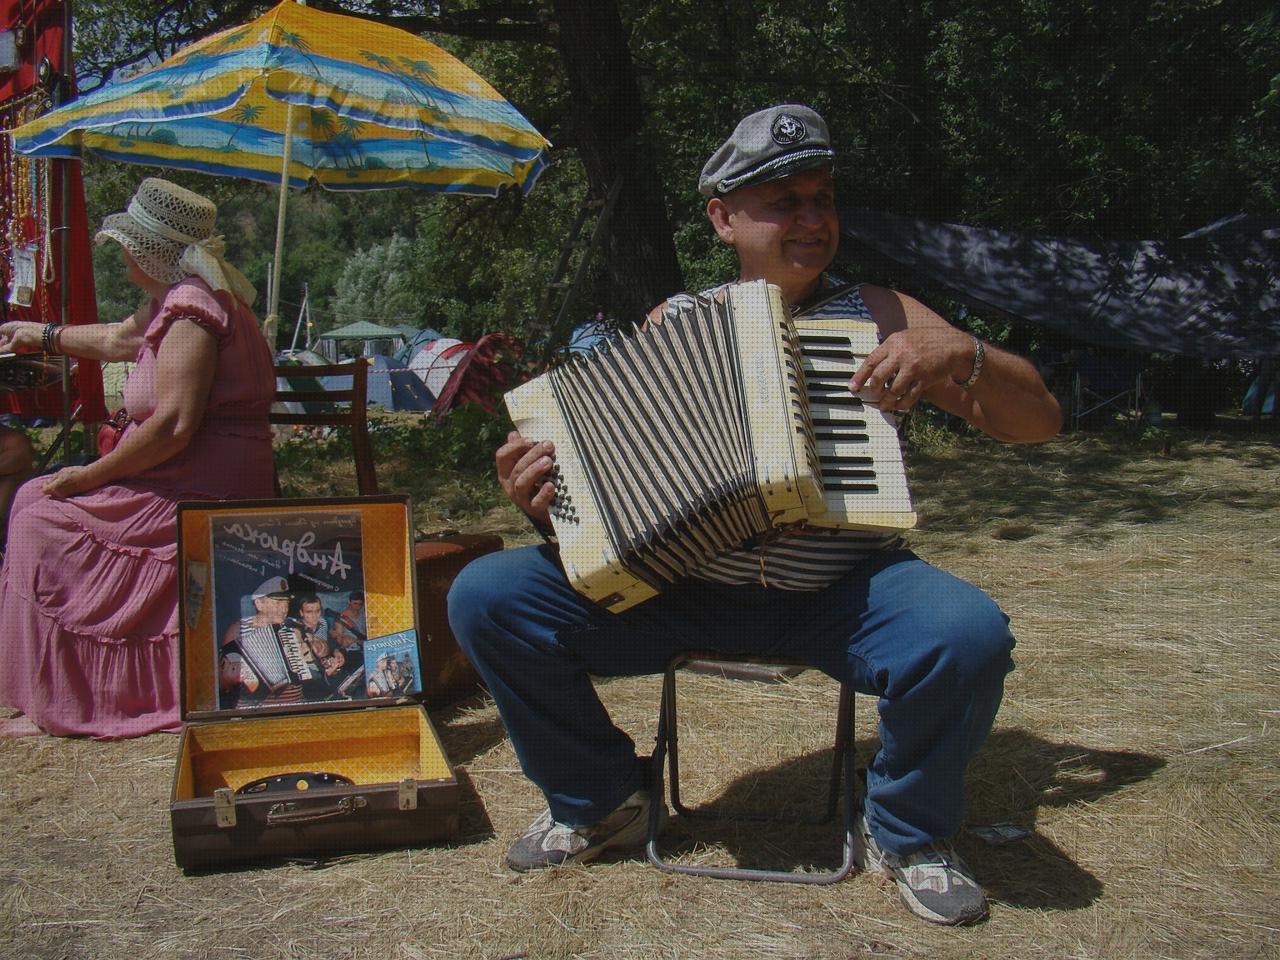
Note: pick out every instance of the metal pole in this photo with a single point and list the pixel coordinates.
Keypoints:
(273, 316)
(64, 248)
(304, 310)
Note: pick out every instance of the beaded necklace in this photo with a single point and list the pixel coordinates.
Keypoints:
(26, 199)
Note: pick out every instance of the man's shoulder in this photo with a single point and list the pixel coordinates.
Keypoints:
(875, 296)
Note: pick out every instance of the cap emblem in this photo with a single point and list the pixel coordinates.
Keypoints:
(787, 130)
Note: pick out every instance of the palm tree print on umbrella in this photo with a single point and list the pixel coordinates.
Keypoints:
(206, 57)
(296, 41)
(324, 134)
(413, 88)
(243, 113)
(349, 137)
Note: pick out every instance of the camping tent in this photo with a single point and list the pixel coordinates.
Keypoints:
(435, 362)
(589, 335)
(1213, 293)
(421, 338)
(301, 381)
(391, 385)
(368, 333)
(301, 357)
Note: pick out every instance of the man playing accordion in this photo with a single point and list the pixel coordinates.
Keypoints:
(862, 608)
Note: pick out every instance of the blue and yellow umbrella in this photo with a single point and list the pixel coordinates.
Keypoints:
(300, 96)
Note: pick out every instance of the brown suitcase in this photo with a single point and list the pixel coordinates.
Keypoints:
(438, 559)
(402, 790)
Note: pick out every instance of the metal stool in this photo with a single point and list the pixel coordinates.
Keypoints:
(667, 749)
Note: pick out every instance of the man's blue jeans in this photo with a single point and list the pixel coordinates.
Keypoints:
(933, 648)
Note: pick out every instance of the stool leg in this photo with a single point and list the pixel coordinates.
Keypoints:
(843, 770)
(673, 738)
(845, 749)
(657, 791)
(843, 745)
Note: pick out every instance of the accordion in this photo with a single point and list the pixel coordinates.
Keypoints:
(715, 428)
(274, 653)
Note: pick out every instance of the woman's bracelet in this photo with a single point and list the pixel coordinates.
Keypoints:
(47, 342)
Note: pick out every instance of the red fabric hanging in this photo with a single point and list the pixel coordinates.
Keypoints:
(484, 373)
(42, 24)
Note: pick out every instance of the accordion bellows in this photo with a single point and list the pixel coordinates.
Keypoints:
(715, 428)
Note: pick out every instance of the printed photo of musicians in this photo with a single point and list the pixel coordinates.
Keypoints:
(294, 646)
(392, 665)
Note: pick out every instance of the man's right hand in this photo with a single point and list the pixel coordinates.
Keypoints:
(523, 468)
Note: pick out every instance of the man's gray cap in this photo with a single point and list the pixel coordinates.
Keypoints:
(272, 587)
(767, 145)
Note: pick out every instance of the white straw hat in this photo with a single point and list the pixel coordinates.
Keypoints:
(168, 230)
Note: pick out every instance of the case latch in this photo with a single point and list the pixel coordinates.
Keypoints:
(224, 807)
(408, 794)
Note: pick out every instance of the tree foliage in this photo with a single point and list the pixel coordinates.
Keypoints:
(380, 279)
(1139, 119)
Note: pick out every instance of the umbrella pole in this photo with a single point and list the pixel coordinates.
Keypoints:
(272, 322)
(303, 310)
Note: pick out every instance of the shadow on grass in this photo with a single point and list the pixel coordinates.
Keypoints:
(1016, 774)
(474, 825)
(463, 737)
(1088, 484)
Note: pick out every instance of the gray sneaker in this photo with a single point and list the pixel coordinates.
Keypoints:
(933, 881)
(548, 842)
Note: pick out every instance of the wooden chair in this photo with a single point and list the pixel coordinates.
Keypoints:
(340, 408)
(666, 753)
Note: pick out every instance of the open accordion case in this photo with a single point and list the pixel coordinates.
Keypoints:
(303, 684)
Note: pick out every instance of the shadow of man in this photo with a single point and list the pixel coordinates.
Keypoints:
(1016, 774)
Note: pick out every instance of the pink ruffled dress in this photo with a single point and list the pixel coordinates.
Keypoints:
(88, 591)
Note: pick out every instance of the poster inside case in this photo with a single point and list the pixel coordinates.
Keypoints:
(288, 603)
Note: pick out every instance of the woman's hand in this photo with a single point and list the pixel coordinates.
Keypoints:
(68, 481)
(523, 469)
(20, 335)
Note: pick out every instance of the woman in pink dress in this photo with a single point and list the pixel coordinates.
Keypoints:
(88, 590)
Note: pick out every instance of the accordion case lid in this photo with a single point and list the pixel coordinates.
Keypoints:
(296, 606)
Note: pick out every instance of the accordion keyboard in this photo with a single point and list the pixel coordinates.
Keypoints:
(863, 477)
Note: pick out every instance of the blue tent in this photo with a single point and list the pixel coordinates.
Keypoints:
(591, 334)
(416, 342)
(392, 386)
(1261, 398)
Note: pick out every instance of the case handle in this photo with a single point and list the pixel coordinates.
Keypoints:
(292, 811)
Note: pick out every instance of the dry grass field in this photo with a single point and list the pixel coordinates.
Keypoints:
(1139, 745)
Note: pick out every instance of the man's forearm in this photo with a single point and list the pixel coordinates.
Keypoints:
(1010, 401)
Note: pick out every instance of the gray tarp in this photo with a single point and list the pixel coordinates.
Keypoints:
(1212, 293)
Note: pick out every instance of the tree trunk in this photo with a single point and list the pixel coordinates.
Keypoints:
(607, 122)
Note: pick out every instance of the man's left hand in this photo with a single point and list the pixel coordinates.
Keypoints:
(67, 482)
(911, 362)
